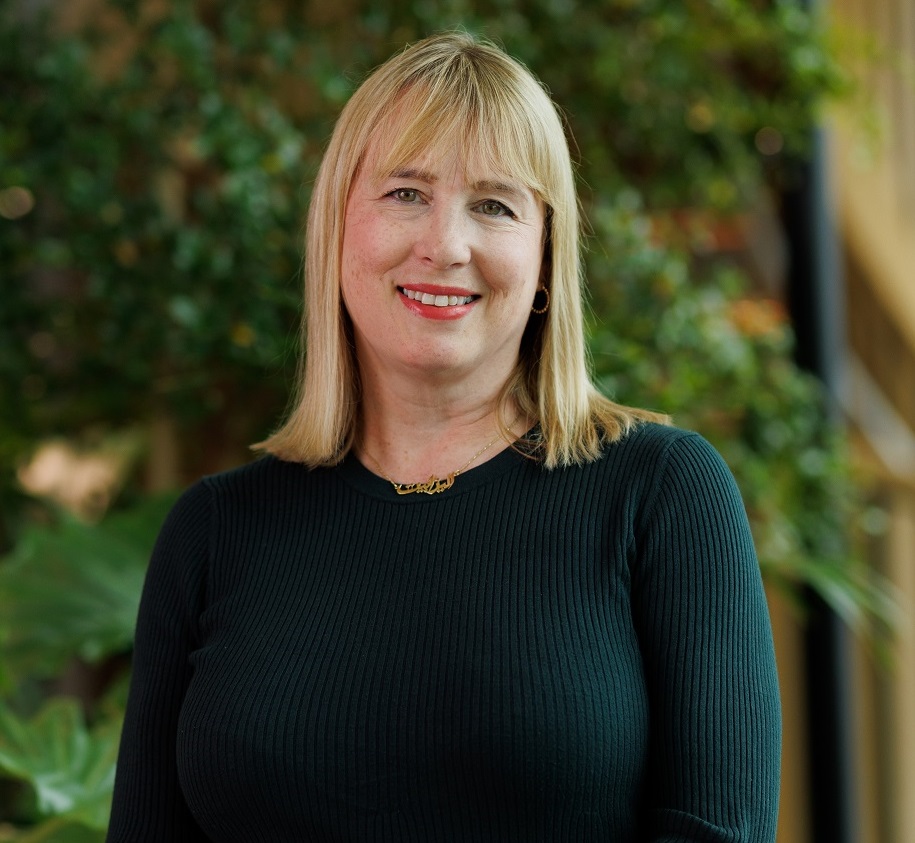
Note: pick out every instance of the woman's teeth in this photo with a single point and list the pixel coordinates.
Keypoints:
(438, 301)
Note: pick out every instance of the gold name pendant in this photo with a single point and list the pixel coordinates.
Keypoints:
(432, 486)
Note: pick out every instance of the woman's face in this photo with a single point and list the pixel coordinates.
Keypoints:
(439, 269)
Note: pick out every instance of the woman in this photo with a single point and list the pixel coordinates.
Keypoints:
(463, 597)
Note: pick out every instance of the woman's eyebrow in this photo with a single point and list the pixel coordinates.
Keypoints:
(413, 173)
(507, 188)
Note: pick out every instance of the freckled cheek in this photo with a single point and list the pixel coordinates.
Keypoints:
(382, 249)
(367, 256)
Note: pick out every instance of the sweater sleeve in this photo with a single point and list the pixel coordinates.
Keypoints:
(703, 625)
(148, 804)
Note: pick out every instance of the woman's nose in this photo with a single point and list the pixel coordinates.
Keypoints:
(444, 240)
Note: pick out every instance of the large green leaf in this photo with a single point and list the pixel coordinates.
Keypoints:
(69, 767)
(72, 590)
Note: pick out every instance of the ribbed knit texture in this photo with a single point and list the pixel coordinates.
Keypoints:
(578, 654)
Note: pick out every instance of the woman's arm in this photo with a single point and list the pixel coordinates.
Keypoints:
(703, 624)
(148, 803)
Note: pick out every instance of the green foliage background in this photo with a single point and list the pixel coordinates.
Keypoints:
(169, 150)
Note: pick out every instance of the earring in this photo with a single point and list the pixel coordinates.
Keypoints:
(546, 304)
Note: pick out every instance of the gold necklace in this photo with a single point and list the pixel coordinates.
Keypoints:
(434, 484)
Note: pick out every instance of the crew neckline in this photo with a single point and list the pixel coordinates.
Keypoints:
(356, 474)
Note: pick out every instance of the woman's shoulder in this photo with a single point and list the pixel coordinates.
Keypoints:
(655, 456)
(652, 444)
(263, 479)
(263, 471)
(677, 468)
(651, 434)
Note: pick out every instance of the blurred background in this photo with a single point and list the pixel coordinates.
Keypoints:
(747, 168)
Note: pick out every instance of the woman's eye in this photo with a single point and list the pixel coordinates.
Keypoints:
(405, 194)
(491, 208)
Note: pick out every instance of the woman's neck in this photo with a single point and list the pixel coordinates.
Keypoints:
(411, 433)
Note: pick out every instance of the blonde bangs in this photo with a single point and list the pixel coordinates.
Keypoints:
(429, 122)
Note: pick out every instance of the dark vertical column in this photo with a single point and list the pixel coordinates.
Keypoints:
(815, 299)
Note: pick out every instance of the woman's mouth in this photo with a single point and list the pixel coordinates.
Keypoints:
(435, 299)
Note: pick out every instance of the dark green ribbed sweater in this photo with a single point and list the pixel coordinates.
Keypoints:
(577, 654)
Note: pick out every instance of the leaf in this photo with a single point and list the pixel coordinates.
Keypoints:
(865, 601)
(70, 768)
(73, 590)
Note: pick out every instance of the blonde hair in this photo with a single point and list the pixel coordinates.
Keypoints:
(452, 87)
